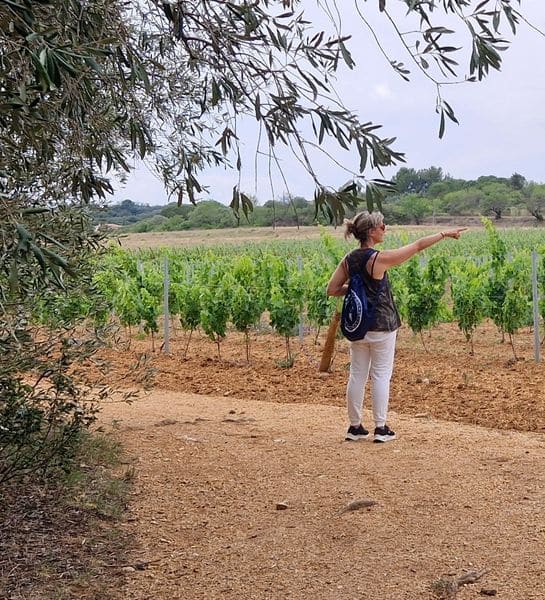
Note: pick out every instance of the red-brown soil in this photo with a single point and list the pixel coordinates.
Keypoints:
(443, 380)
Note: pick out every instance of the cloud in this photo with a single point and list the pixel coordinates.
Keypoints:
(383, 91)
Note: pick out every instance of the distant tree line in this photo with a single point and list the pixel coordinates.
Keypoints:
(425, 192)
(419, 195)
(126, 212)
(207, 214)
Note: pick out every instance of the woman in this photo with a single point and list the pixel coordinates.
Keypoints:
(374, 354)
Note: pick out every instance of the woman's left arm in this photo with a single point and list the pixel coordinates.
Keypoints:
(391, 258)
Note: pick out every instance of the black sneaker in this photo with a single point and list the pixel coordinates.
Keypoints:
(383, 434)
(356, 433)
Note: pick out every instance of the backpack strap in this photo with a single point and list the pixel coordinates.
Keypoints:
(373, 263)
(349, 260)
(374, 253)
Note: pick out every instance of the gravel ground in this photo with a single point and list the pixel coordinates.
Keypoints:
(252, 499)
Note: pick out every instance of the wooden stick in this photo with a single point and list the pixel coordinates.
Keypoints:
(329, 346)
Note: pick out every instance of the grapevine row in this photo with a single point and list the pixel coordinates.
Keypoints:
(223, 288)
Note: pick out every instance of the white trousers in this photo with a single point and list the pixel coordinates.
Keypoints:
(374, 356)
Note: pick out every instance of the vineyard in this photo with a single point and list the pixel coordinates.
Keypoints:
(280, 287)
(231, 419)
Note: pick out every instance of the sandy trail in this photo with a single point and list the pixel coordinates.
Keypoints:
(210, 472)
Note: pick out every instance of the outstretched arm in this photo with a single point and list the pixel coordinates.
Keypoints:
(391, 258)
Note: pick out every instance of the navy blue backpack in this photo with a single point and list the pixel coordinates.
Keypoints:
(358, 312)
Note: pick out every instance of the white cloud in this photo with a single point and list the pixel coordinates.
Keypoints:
(383, 91)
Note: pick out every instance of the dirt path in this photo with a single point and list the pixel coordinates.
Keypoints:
(210, 472)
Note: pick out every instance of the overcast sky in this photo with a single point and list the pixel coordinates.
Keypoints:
(501, 130)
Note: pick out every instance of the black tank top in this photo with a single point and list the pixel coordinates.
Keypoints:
(387, 316)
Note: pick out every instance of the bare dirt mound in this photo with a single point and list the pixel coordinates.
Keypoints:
(251, 499)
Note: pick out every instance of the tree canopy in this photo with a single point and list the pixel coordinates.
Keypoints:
(86, 85)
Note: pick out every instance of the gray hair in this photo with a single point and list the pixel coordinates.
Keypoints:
(362, 223)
